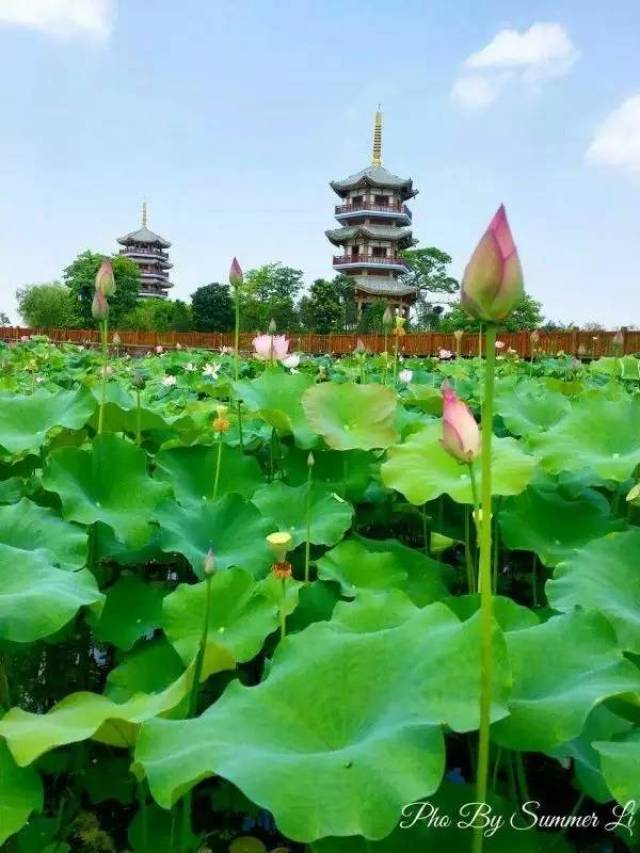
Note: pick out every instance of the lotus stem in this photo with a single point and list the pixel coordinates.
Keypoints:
(282, 613)
(307, 544)
(218, 461)
(5, 694)
(138, 419)
(105, 364)
(144, 816)
(486, 593)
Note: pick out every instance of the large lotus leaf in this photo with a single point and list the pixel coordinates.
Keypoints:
(25, 421)
(121, 412)
(598, 434)
(601, 725)
(509, 615)
(36, 597)
(132, 609)
(192, 470)
(20, 794)
(552, 524)
(620, 765)
(348, 473)
(231, 527)
(419, 832)
(561, 670)
(107, 483)
(240, 615)
(80, 716)
(150, 667)
(604, 576)
(336, 716)
(30, 527)
(286, 506)
(361, 563)
(422, 470)
(528, 407)
(276, 398)
(352, 417)
(627, 367)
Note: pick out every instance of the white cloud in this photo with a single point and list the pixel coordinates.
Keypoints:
(617, 140)
(539, 53)
(60, 17)
(474, 92)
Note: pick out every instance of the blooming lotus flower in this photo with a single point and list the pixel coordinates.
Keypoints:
(105, 281)
(235, 273)
(291, 361)
(211, 370)
(460, 432)
(444, 354)
(159, 349)
(271, 347)
(169, 380)
(405, 376)
(99, 306)
(492, 283)
(178, 345)
(224, 350)
(189, 367)
(499, 344)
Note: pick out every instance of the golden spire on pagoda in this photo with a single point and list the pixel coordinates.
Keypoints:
(144, 213)
(376, 156)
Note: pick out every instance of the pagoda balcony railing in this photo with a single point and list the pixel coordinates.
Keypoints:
(145, 250)
(340, 260)
(392, 207)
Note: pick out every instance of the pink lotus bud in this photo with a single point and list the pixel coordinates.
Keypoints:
(271, 347)
(209, 566)
(492, 283)
(235, 273)
(460, 432)
(105, 282)
(99, 306)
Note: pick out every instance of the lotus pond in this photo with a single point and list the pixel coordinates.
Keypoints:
(175, 678)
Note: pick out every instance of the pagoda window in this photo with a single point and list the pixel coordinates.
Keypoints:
(379, 252)
(381, 200)
(356, 199)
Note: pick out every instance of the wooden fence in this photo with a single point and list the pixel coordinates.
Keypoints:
(579, 343)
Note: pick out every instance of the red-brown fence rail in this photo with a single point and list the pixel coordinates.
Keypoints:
(579, 343)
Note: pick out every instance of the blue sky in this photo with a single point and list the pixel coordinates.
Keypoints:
(231, 118)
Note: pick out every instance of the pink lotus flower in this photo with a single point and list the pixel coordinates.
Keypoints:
(271, 347)
(291, 361)
(460, 432)
(492, 283)
(499, 344)
(444, 354)
(105, 281)
(235, 273)
(159, 349)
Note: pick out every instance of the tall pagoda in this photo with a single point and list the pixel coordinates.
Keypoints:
(149, 252)
(375, 224)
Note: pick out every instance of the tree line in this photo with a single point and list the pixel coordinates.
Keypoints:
(272, 292)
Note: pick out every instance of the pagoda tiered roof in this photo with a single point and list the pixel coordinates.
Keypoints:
(382, 285)
(401, 236)
(145, 236)
(375, 176)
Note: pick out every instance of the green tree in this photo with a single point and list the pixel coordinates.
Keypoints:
(80, 276)
(343, 285)
(321, 309)
(371, 319)
(212, 308)
(270, 293)
(429, 275)
(526, 315)
(158, 315)
(47, 305)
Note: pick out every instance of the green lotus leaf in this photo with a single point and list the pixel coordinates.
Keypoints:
(361, 563)
(109, 483)
(30, 527)
(150, 667)
(276, 398)
(627, 367)
(598, 434)
(603, 576)
(529, 408)
(352, 417)
(422, 470)
(601, 725)
(26, 421)
(20, 794)
(80, 716)
(620, 764)
(426, 398)
(286, 507)
(231, 527)
(552, 524)
(191, 471)
(561, 670)
(160, 824)
(36, 597)
(241, 616)
(368, 727)
(509, 615)
(132, 609)
(348, 473)
(121, 412)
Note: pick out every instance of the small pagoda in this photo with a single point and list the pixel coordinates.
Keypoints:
(375, 224)
(149, 252)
